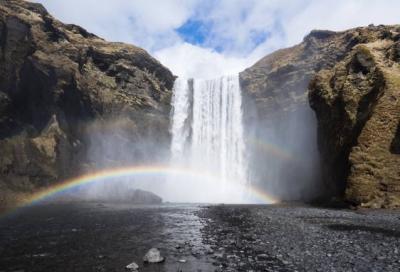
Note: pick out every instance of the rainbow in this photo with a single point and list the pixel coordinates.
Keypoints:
(113, 173)
(272, 149)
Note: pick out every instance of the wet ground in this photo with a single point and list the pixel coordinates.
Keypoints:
(97, 237)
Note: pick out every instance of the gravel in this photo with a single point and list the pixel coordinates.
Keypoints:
(300, 238)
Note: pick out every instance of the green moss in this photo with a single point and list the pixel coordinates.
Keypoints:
(363, 49)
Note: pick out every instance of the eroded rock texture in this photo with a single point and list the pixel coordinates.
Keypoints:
(60, 86)
(355, 97)
(358, 110)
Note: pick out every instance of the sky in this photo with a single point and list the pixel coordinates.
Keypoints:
(210, 38)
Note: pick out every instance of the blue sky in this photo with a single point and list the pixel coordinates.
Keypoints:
(208, 38)
(194, 31)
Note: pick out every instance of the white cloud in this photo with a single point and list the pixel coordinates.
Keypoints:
(151, 25)
(236, 22)
(340, 15)
(189, 61)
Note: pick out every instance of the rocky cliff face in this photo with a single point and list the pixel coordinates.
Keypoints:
(59, 86)
(278, 82)
(358, 110)
(355, 99)
(278, 114)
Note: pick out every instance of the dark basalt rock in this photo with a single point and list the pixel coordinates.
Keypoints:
(145, 197)
(118, 193)
(57, 83)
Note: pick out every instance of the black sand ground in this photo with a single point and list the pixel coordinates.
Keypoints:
(293, 238)
(95, 237)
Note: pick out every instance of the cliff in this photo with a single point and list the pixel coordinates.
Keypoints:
(277, 113)
(60, 86)
(358, 110)
(352, 78)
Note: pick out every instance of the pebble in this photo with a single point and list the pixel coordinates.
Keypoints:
(132, 266)
(262, 256)
(153, 256)
(40, 255)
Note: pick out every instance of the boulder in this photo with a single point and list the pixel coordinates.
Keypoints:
(145, 197)
(132, 267)
(153, 256)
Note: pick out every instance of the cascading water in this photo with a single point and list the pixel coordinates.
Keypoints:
(207, 138)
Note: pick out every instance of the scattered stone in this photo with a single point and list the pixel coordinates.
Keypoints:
(209, 251)
(40, 255)
(132, 266)
(153, 256)
(262, 256)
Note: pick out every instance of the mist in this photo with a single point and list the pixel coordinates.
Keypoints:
(206, 157)
(124, 142)
(283, 152)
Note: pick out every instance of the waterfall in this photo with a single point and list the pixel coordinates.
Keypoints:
(180, 126)
(207, 134)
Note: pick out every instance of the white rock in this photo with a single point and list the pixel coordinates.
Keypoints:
(153, 256)
(132, 267)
